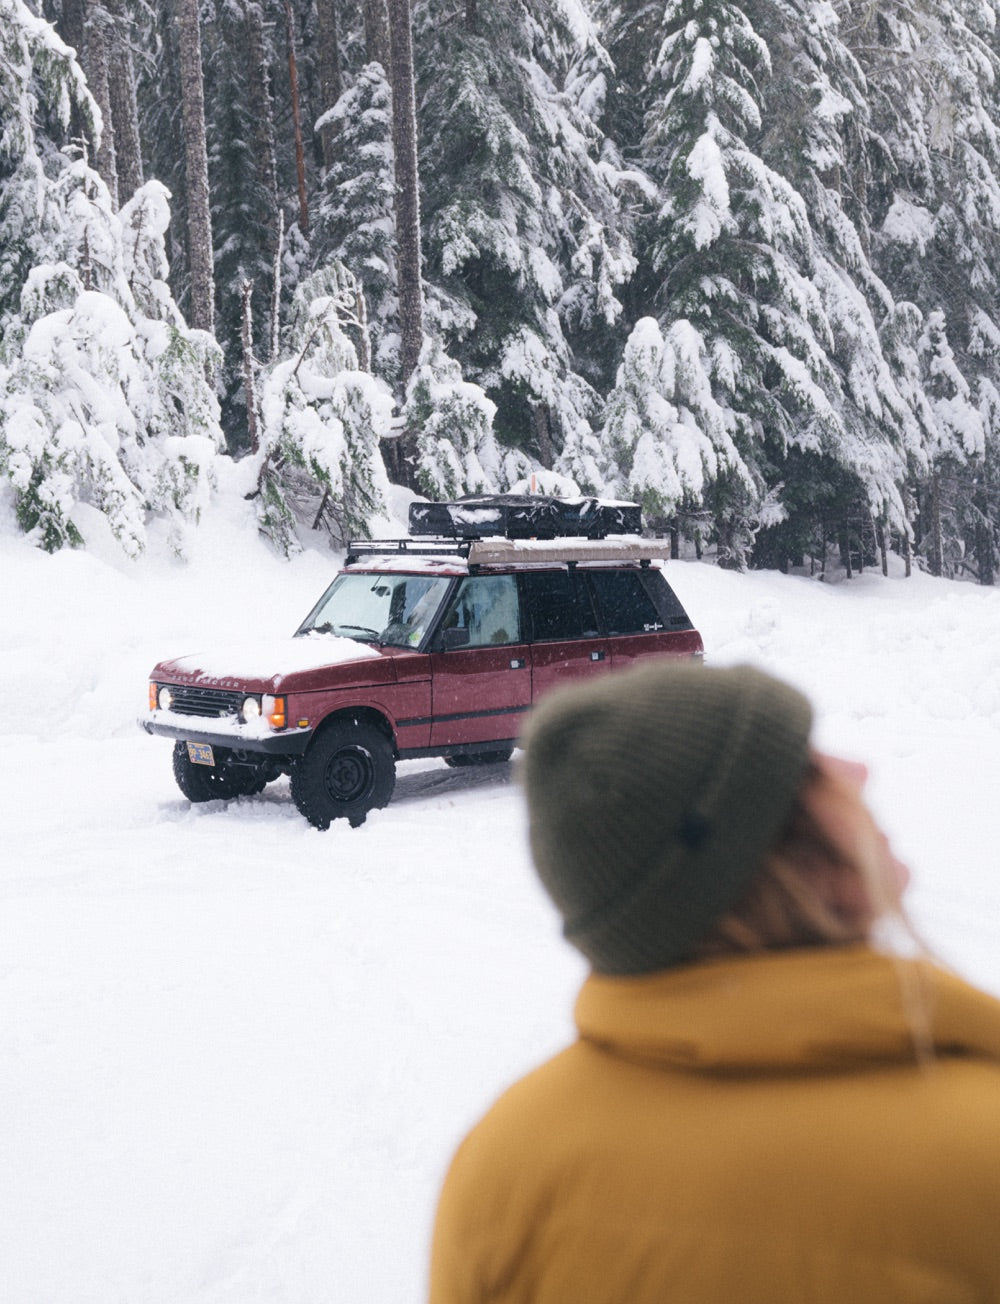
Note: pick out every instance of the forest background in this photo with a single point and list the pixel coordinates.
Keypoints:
(738, 263)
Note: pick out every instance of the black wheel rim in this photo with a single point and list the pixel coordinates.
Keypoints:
(350, 775)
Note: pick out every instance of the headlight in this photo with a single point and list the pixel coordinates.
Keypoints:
(250, 708)
(164, 698)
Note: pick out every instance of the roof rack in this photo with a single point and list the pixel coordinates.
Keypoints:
(511, 516)
(358, 548)
(501, 552)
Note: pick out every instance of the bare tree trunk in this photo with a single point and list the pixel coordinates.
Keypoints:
(984, 543)
(71, 26)
(96, 65)
(377, 44)
(984, 552)
(909, 510)
(274, 326)
(364, 338)
(471, 15)
(124, 106)
(262, 117)
(935, 561)
(845, 547)
(318, 519)
(86, 263)
(249, 381)
(543, 434)
(293, 82)
(328, 59)
(404, 144)
(199, 218)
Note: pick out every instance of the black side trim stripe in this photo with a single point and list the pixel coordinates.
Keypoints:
(461, 715)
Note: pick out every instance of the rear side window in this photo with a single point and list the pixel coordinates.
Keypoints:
(626, 603)
(666, 601)
(557, 605)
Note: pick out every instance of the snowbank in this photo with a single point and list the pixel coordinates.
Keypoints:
(237, 1052)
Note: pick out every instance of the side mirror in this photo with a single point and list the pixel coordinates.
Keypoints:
(453, 638)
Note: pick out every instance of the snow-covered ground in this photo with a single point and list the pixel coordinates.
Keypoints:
(236, 1053)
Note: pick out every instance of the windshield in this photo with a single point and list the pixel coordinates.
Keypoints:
(392, 609)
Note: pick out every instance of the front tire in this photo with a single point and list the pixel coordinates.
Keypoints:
(348, 770)
(219, 782)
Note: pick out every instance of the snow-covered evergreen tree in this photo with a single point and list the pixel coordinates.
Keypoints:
(247, 190)
(41, 86)
(806, 193)
(456, 450)
(747, 114)
(666, 434)
(524, 250)
(733, 243)
(957, 435)
(819, 133)
(934, 200)
(104, 398)
(245, 205)
(981, 519)
(355, 223)
(319, 463)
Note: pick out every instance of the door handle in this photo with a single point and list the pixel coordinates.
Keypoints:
(598, 656)
(517, 663)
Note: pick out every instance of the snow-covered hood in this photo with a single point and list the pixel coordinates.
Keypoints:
(816, 1009)
(263, 666)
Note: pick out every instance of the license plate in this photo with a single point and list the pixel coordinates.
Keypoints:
(201, 754)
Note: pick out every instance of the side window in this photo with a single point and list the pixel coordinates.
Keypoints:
(557, 606)
(624, 604)
(414, 600)
(486, 606)
(665, 599)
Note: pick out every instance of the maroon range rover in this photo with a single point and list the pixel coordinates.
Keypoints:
(421, 647)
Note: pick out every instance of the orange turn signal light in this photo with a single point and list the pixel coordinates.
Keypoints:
(153, 703)
(276, 717)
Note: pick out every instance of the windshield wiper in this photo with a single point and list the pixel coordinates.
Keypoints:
(363, 629)
(328, 627)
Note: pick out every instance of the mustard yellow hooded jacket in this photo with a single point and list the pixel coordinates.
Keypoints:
(743, 1131)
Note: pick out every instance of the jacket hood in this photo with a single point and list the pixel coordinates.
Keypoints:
(821, 1009)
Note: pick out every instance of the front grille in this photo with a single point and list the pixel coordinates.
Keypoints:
(210, 702)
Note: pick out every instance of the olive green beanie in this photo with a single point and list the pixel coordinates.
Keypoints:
(653, 795)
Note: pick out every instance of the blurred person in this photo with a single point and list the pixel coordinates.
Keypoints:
(763, 1103)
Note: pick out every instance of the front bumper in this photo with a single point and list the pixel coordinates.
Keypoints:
(221, 733)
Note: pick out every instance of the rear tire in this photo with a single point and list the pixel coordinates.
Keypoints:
(348, 770)
(219, 782)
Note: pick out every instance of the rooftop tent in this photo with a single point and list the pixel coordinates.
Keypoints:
(513, 517)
